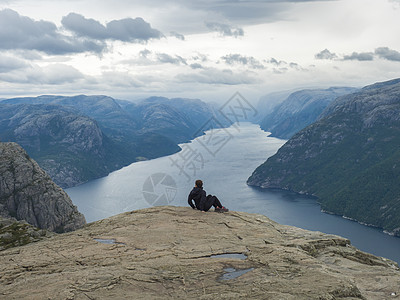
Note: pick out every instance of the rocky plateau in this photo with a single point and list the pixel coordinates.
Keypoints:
(179, 253)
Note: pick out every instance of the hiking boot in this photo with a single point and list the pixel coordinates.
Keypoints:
(223, 209)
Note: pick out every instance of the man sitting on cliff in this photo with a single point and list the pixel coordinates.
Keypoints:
(203, 202)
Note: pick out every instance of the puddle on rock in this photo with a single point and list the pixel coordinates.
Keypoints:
(232, 273)
(108, 241)
(240, 256)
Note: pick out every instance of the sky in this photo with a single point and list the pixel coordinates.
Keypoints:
(208, 49)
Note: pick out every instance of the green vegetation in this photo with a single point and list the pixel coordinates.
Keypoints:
(18, 234)
(299, 110)
(350, 159)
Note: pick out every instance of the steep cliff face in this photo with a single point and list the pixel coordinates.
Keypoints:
(180, 253)
(27, 193)
(299, 110)
(349, 159)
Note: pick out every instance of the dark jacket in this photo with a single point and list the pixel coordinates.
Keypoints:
(199, 197)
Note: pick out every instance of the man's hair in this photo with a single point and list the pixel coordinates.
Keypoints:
(199, 183)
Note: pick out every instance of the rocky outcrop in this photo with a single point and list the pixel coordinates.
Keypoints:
(27, 193)
(18, 233)
(181, 253)
(349, 159)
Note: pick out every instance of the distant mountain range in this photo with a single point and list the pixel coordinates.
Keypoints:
(283, 115)
(76, 139)
(349, 158)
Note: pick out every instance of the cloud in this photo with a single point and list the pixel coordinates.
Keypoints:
(126, 30)
(84, 27)
(147, 58)
(297, 67)
(225, 29)
(60, 73)
(196, 66)
(54, 74)
(28, 54)
(8, 63)
(120, 80)
(177, 35)
(19, 32)
(218, 77)
(396, 3)
(382, 52)
(187, 17)
(280, 70)
(144, 53)
(276, 62)
(166, 58)
(250, 61)
(200, 57)
(325, 54)
(364, 56)
(243, 11)
(389, 54)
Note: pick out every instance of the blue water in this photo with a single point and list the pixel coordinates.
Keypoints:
(223, 159)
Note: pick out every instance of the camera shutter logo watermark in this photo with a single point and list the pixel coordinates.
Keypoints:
(159, 189)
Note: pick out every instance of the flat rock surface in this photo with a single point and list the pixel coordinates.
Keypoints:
(173, 252)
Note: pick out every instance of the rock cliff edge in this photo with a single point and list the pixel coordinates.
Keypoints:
(28, 193)
(180, 253)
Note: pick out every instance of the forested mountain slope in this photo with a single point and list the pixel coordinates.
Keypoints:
(349, 159)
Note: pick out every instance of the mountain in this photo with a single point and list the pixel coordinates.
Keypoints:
(101, 108)
(70, 146)
(267, 103)
(349, 159)
(179, 253)
(121, 119)
(27, 193)
(298, 110)
(114, 122)
(76, 139)
(179, 119)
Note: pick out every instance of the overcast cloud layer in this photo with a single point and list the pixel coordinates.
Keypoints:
(200, 49)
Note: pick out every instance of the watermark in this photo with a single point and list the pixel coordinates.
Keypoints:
(213, 136)
(188, 161)
(215, 139)
(159, 189)
(237, 109)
